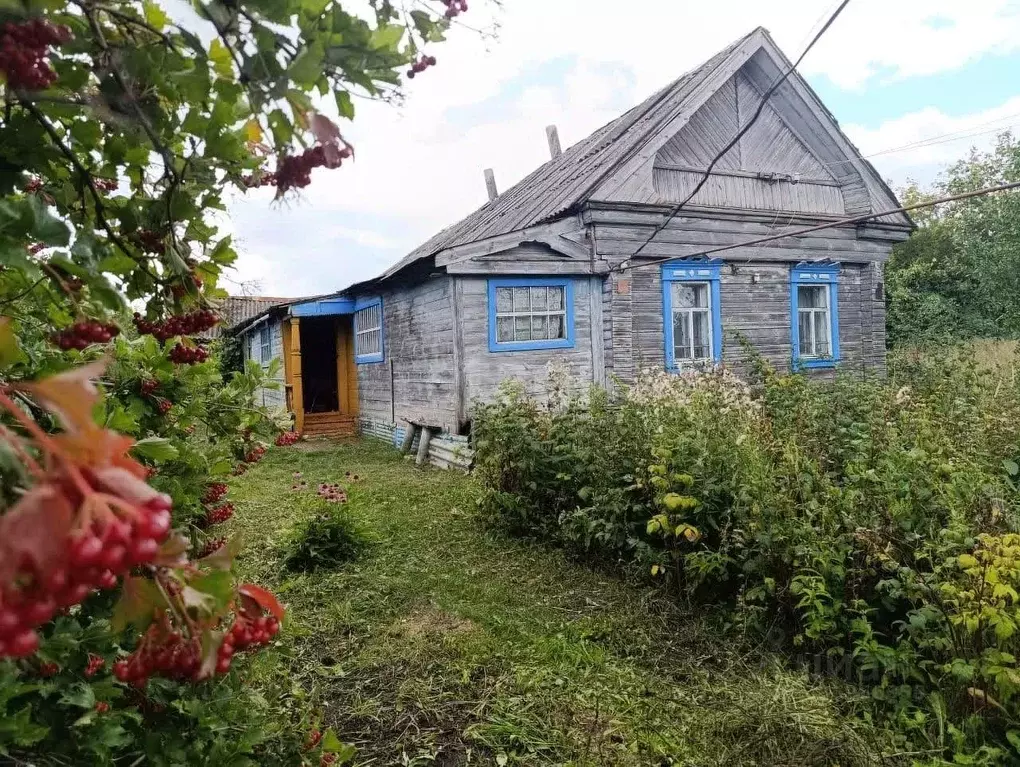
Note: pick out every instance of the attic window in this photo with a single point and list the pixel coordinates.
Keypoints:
(527, 314)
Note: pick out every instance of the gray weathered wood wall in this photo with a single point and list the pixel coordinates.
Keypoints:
(416, 379)
(484, 370)
(276, 397)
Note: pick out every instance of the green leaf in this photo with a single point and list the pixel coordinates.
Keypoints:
(155, 15)
(9, 350)
(80, 696)
(47, 228)
(307, 65)
(219, 586)
(1012, 467)
(333, 745)
(223, 65)
(139, 599)
(387, 36)
(20, 730)
(344, 105)
(155, 448)
(966, 561)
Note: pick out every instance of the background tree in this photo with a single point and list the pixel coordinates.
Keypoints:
(958, 276)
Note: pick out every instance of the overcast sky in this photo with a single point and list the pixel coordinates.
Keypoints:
(894, 72)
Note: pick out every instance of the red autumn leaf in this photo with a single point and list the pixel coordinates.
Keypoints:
(71, 395)
(34, 530)
(263, 598)
(324, 129)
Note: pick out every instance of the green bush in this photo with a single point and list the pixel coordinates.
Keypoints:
(324, 541)
(872, 524)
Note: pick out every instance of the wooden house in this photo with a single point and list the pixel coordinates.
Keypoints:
(545, 272)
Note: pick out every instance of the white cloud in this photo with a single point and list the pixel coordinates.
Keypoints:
(919, 144)
(419, 166)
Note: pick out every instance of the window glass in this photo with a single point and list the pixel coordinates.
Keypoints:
(813, 321)
(266, 350)
(534, 313)
(692, 321)
(368, 331)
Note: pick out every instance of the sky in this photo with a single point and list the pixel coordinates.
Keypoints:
(914, 83)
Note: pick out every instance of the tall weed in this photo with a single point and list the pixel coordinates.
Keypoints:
(872, 524)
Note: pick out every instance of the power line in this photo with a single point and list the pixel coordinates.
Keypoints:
(740, 133)
(830, 225)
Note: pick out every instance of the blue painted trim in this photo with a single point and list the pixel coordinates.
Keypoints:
(326, 307)
(368, 359)
(532, 282)
(814, 274)
(691, 271)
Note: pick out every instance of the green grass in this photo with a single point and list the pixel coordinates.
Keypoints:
(443, 644)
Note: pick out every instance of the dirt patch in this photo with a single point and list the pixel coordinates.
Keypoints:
(321, 444)
(430, 621)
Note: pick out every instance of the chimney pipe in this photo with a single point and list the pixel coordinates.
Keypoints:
(490, 184)
(554, 141)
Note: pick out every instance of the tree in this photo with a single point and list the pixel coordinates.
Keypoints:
(958, 276)
(120, 136)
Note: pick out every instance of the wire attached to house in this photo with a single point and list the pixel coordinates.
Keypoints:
(831, 225)
(740, 133)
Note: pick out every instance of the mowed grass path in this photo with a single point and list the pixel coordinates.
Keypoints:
(445, 644)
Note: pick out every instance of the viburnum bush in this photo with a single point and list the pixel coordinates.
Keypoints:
(121, 137)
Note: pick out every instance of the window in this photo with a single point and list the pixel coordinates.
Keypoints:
(368, 330)
(531, 314)
(266, 349)
(814, 316)
(691, 315)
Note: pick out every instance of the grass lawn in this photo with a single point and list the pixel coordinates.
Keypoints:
(444, 644)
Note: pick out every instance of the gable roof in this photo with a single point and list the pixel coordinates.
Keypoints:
(565, 182)
(234, 310)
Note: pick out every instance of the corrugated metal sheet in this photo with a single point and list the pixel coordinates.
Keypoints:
(446, 451)
(237, 309)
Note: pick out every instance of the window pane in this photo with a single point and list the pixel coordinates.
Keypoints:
(539, 299)
(539, 327)
(804, 328)
(681, 336)
(683, 295)
(822, 334)
(522, 300)
(813, 296)
(522, 328)
(702, 335)
(555, 298)
(701, 296)
(504, 300)
(557, 327)
(504, 329)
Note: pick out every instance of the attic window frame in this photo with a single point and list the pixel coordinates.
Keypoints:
(565, 283)
(361, 308)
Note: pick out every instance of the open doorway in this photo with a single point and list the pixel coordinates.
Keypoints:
(318, 365)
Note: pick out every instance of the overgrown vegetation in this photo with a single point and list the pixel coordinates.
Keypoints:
(444, 645)
(324, 541)
(869, 527)
(958, 276)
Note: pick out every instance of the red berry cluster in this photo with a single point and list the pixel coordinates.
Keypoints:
(214, 492)
(23, 51)
(240, 469)
(164, 405)
(220, 514)
(177, 325)
(454, 8)
(95, 558)
(327, 760)
(314, 739)
(287, 438)
(421, 65)
(149, 241)
(295, 171)
(106, 184)
(333, 493)
(187, 355)
(192, 284)
(149, 386)
(47, 670)
(210, 547)
(255, 454)
(86, 332)
(102, 706)
(94, 666)
(33, 186)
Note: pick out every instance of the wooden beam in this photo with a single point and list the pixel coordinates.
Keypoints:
(295, 365)
(423, 446)
(459, 406)
(405, 445)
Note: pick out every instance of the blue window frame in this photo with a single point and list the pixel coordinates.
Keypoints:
(531, 313)
(369, 337)
(265, 344)
(814, 315)
(692, 318)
